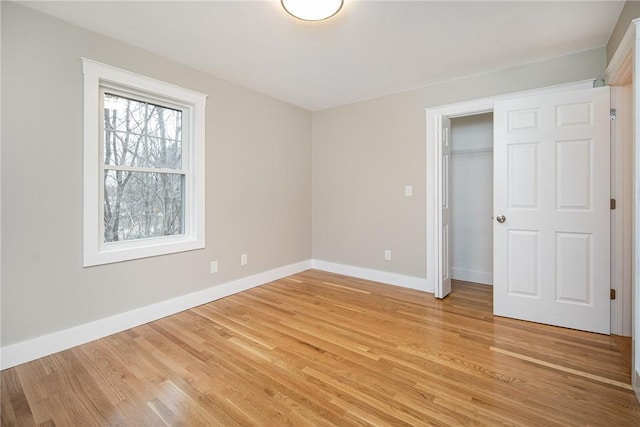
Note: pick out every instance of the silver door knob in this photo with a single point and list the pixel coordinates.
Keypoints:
(501, 218)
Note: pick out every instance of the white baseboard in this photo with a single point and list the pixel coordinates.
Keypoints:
(25, 351)
(411, 282)
(475, 276)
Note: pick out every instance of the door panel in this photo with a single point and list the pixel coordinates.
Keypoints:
(524, 176)
(574, 268)
(551, 182)
(524, 264)
(573, 171)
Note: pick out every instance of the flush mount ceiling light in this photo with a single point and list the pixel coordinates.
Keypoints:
(312, 10)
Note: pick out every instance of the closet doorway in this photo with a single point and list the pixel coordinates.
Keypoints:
(472, 198)
(547, 214)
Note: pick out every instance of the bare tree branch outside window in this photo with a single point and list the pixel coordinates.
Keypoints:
(143, 197)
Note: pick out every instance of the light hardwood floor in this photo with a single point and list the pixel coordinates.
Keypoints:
(319, 349)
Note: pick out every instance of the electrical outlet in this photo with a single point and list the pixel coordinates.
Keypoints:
(408, 190)
(387, 255)
(243, 259)
(214, 267)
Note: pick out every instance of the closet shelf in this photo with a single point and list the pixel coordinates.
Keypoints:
(472, 151)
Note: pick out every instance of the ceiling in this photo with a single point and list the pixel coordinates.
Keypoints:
(370, 49)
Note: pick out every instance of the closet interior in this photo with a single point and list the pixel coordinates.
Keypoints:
(472, 198)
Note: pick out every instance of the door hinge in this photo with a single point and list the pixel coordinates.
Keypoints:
(612, 114)
(613, 204)
(612, 293)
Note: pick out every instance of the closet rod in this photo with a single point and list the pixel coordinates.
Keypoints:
(473, 151)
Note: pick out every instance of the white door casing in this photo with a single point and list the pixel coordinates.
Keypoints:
(444, 201)
(551, 183)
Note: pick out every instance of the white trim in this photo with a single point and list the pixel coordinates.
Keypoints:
(621, 66)
(461, 109)
(475, 276)
(133, 80)
(635, 286)
(621, 217)
(193, 103)
(25, 351)
(1, 188)
(636, 384)
(485, 105)
(411, 282)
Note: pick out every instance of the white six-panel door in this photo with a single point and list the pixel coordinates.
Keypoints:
(551, 185)
(444, 241)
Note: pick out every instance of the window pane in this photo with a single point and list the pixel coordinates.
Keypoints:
(138, 205)
(138, 133)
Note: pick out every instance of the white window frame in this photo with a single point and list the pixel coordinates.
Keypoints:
(96, 252)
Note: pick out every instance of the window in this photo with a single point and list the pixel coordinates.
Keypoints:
(143, 166)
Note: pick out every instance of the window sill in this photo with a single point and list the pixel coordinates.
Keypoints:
(130, 251)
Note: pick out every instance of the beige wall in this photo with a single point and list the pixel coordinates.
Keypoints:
(365, 153)
(630, 11)
(258, 182)
(265, 159)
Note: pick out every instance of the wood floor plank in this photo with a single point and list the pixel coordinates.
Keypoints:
(321, 349)
(15, 408)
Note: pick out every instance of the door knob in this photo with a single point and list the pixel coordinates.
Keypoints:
(501, 218)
